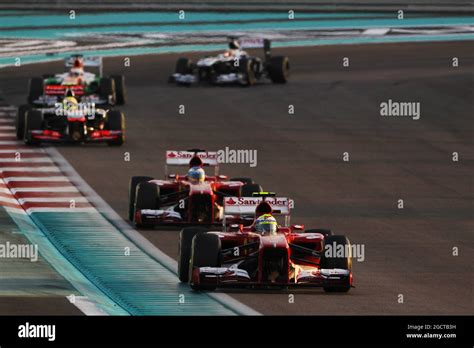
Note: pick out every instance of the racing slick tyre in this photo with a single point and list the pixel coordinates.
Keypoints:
(20, 121)
(184, 250)
(248, 189)
(325, 232)
(146, 197)
(342, 262)
(244, 180)
(107, 89)
(205, 252)
(116, 122)
(132, 188)
(120, 91)
(279, 69)
(35, 89)
(33, 121)
(184, 66)
(246, 69)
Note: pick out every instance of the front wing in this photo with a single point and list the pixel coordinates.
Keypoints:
(235, 277)
(55, 136)
(153, 217)
(171, 217)
(188, 79)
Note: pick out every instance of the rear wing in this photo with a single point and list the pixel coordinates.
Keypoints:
(182, 158)
(256, 42)
(89, 62)
(246, 206)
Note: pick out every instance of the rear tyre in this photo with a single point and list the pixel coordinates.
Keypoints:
(33, 122)
(107, 90)
(120, 91)
(20, 121)
(146, 197)
(205, 252)
(342, 262)
(248, 189)
(279, 69)
(326, 232)
(116, 122)
(184, 250)
(132, 188)
(35, 89)
(184, 66)
(244, 180)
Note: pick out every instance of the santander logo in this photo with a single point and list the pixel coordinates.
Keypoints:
(188, 155)
(255, 201)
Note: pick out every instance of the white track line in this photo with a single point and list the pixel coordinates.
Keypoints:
(30, 169)
(34, 178)
(8, 200)
(87, 306)
(61, 210)
(44, 159)
(53, 199)
(43, 189)
(11, 142)
(21, 151)
(15, 210)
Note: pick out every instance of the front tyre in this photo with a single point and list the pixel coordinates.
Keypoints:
(184, 66)
(336, 261)
(120, 91)
(205, 252)
(107, 90)
(35, 89)
(247, 71)
(116, 122)
(33, 122)
(132, 188)
(20, 121)
(184, 250)
(146, 197)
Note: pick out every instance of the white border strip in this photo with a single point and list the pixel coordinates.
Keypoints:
(87, 306)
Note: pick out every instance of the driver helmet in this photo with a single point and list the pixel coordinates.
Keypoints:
(234, 44)
(196, 175)
(266, 224)
(70, 104)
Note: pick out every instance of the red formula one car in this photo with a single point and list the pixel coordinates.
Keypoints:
(178, 200)
(242, 256)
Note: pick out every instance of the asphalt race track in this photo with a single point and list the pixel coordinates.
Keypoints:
(408, 251)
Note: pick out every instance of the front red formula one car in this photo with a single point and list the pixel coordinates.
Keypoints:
(242, 256)
(180, 200)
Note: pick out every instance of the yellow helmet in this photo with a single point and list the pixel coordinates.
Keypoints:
(266, 224)
(70, 103)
